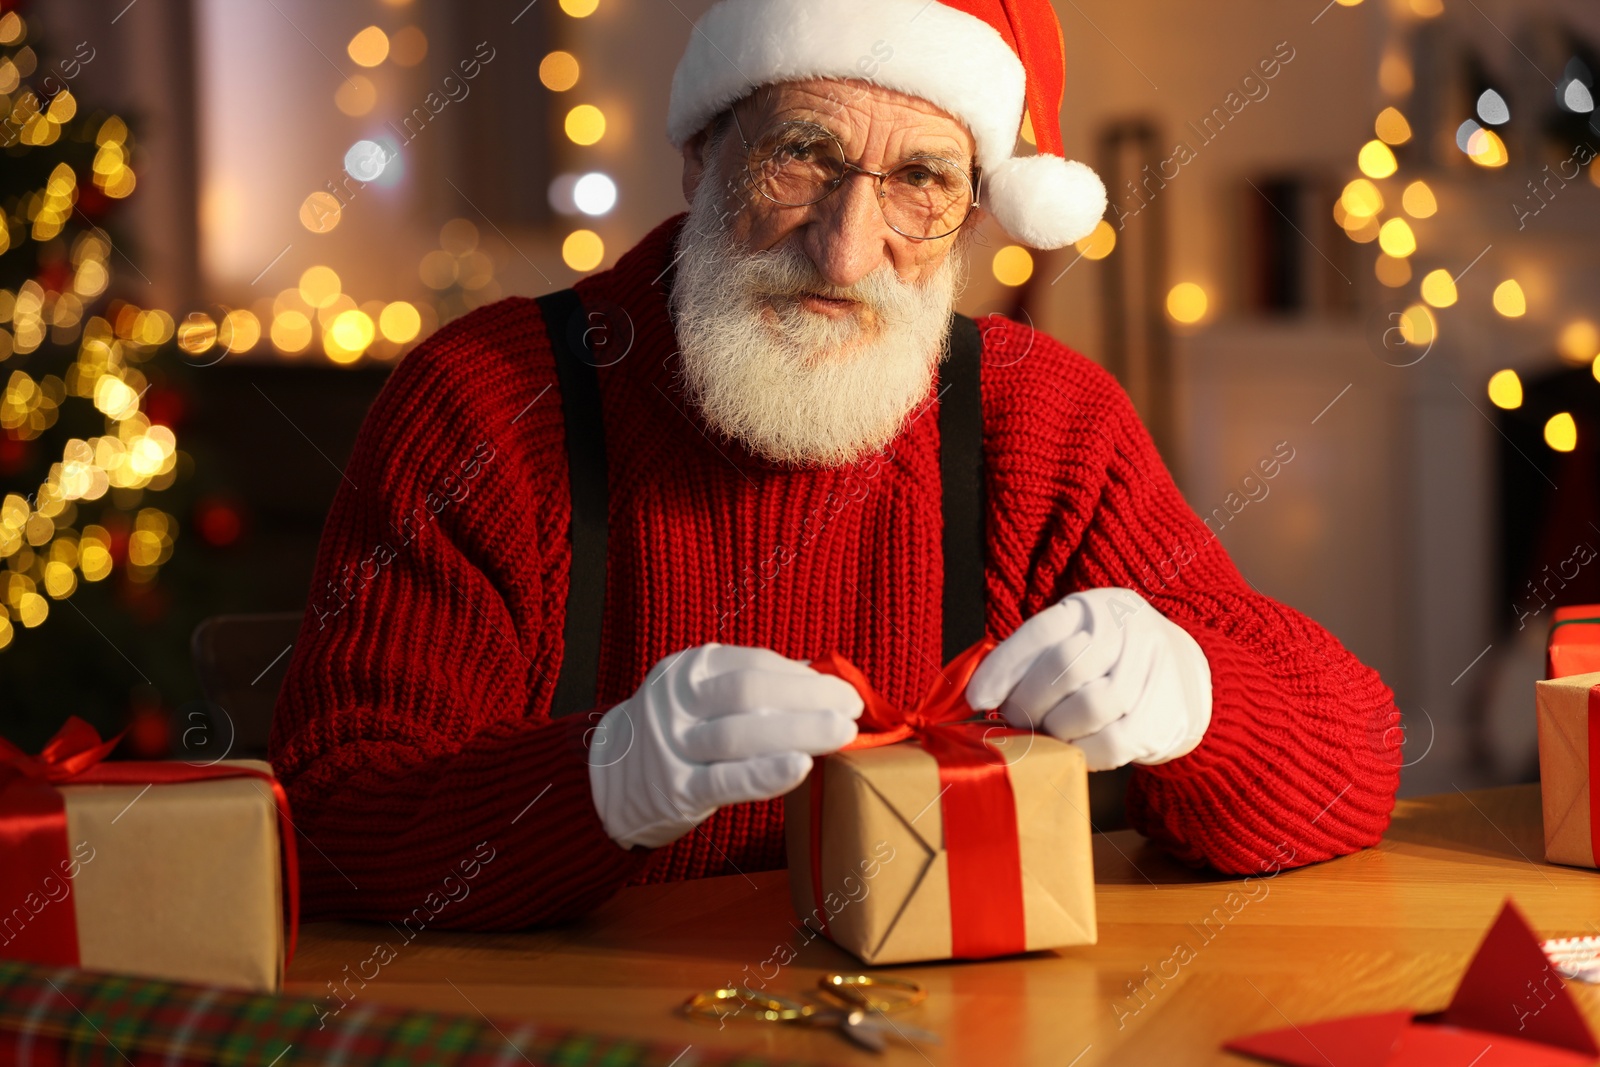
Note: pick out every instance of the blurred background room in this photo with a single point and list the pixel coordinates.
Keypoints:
(1358, 240)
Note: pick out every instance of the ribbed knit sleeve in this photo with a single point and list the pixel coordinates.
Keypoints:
(412, 730)
(1301, 760)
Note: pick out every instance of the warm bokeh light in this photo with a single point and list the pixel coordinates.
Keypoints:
(559, 71)
(400, 322)
(1439, 289)
(1486, 149)
(370, 47)
(1509, 299)
(1396, 238)
(1100, 243)
(1392, 271)
(321, 212)
(1419, 201)
(1187, 303)
(319, 286)
(352, 331)
(1013, 265)
(583, 250)
(291, 332)
(240, 331)
(1561, 432)
(586, 124)
(1579, 342)
(196, 334)
(1361, 199)
(579, 8)
(1377, 160)
(409, 46)
(355, 96)
(1427, 8)
(1505, 390)
(1418, 326)
(1392, 127)
(1362, 231)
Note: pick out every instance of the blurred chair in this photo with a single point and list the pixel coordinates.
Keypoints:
(241, 661)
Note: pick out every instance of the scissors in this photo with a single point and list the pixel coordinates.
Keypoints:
(857, 1006)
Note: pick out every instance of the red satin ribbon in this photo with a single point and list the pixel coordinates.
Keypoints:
(33, 832)
(979, 813)
(1594, 767)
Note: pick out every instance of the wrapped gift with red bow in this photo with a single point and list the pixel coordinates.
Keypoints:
(158, 869)
(939, 834)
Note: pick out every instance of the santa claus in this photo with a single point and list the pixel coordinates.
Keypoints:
(587, 547)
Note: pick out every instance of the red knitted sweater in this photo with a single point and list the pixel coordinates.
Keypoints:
(413, 726)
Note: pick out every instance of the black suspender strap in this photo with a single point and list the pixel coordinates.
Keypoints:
(961, 474)
(566, 325)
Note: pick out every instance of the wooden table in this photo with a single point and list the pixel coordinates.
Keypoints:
(1391, 927)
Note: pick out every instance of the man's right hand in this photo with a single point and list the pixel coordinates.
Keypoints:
(712, 725)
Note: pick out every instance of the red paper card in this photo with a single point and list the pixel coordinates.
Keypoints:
(1510, 1010)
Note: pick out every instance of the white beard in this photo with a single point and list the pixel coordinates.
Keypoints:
(797, 386)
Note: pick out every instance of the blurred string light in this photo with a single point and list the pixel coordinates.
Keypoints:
(1439, 289)
(1391, 127)
(1505, 390)
(1188, 303)
(1012, 265)
(1561, 432)
(558, 71)
(1493, 109)
(1377, 160)
(1576, 90)
(1427, 9)
(1509, 299)
(1418, 201)
(1100, 243)
(370, 47)
(583, 250)
(1396, 238)
(1579, 342)
(594, 193)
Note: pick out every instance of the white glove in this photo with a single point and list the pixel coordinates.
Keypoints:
(1106, 671)
(712, 725)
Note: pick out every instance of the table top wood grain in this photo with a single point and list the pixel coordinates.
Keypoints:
(1185, 959)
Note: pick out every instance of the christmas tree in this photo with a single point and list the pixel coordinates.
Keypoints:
(91, 400)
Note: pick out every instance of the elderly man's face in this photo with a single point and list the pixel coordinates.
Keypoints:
(845, 235)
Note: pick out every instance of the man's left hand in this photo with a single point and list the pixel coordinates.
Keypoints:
(1106, 671)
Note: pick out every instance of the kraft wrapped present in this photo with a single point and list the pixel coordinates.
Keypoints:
(1574, 645)
(161, 870)
(936, 836)
(1569, 753)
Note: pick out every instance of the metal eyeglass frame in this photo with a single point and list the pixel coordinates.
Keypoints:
(849, 167)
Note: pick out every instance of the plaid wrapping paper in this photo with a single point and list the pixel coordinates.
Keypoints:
(55, 1017)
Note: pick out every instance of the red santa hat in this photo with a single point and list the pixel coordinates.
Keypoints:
(986, 62)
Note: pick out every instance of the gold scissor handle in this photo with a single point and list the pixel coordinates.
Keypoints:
(857, 990)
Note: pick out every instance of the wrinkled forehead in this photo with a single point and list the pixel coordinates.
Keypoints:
(859, 112)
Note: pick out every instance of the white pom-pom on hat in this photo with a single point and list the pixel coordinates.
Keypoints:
(1044, 201)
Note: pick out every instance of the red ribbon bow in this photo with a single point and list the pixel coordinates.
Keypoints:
(976, 804)
(33, 830)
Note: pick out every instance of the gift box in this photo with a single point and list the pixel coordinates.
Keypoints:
(937, 835)
(162, 870)
(1569, 751)
(1574, 645)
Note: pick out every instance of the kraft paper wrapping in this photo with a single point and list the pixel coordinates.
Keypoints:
(1564, 772)
(183, 881)
(884, 869)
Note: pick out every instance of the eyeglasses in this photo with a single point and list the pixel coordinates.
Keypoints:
(798, 163)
